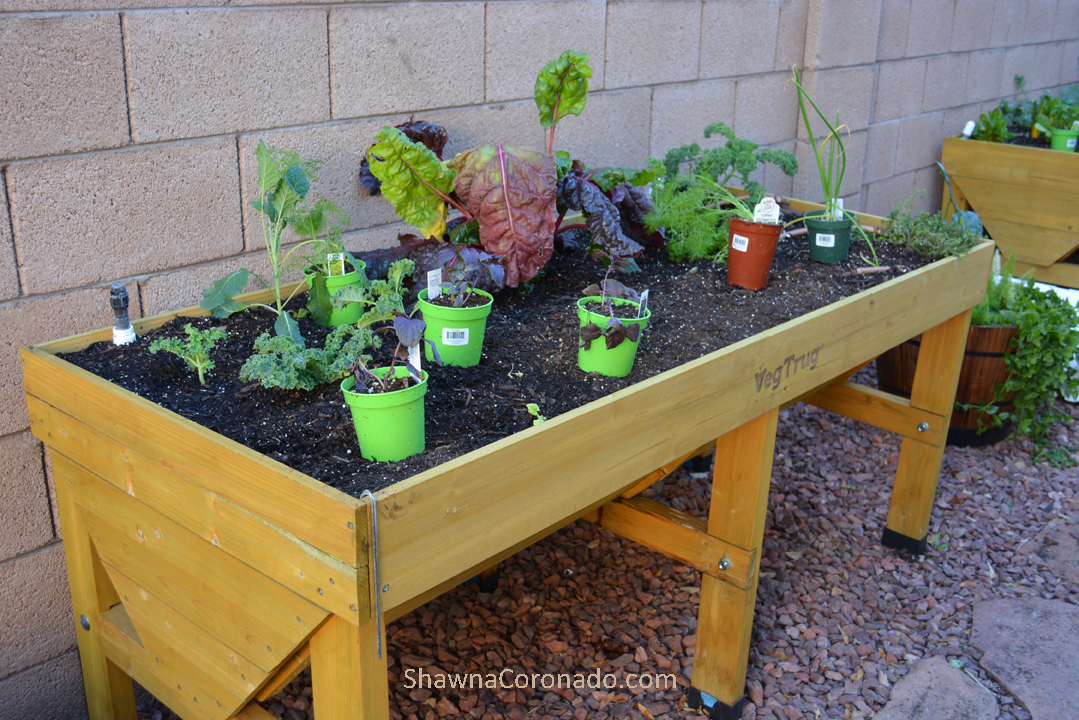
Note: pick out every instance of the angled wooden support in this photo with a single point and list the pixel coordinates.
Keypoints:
(880, 409)
(743, 471)
(110, 694)
(292, 667)
(935, 379)
(348, 678)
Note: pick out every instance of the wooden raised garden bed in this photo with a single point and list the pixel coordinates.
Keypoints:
(1028, 199)
(212, 574)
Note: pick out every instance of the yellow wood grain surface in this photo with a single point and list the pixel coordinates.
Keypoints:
(242, 608)
(1063, 274)
(880, 409)
(439, 523)
(304, 569)
(347, 676)
(290, 500)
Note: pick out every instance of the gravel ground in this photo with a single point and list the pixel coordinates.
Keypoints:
(839, 618)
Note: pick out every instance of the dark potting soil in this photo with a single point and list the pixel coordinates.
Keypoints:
(622, 311)
(472, 300)
(1023, 138)
(529, 356)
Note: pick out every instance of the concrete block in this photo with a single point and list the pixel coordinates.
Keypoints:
(1041, 17)
(791, 37)
(807, 184)
(85, 5)
(650, 42)
(1009, 20)
(50, 690)
(50, 481)
(928, 188)
(972, 26)
(881, 143)
(91, 218)
(841, 33)
(681, 112)
(1018, 60)
(63, 80)
(514, 123)
(1066, 26)
(983, 75)
(342, 146)
(894, 19)
(930, 28)
(613, 131)
(920, 141)
(945, 81)
(1047, 64)
(9, 276)
(37, 320)
(882, 196)
(766, 108)
(900, 89)
(752, 23)
(956, 118)
(848, 91)
(38, 623)
(375, 238)
(209, 72)
(523, 37)
(397, 57)
(1069, 63)
(25, 523)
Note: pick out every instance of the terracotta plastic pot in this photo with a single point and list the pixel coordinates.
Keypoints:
(829, 240)
(752, 249)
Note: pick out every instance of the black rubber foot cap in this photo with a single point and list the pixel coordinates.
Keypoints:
(897, 541)
(714, 709)
(490, 583)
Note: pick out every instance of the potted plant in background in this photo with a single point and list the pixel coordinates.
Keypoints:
(328, 267)
(612, 319)
(1058, 120)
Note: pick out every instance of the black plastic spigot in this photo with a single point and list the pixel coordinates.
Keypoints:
(119, 301)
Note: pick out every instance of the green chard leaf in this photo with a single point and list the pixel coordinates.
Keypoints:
(219, 298)
(562, 87)
(413, 180)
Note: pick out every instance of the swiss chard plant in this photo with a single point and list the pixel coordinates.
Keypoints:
(615, 331)
(195, 351)
(993, 127)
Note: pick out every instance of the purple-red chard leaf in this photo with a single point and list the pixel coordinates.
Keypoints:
(432, 136)
(562, 87)
(409, 331)
(413, 179)
(512, 193)
(601, 216)
(589, 332)
(633, 204)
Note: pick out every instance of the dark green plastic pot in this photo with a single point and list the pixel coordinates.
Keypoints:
(456, 332)
(829, 240)
(349, 313)
(1064, 140)
(389, 426)
(596, 358)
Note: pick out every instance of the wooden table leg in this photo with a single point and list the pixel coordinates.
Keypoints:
(348, 679)
(110, 694)
(935, 379)
(743, 471)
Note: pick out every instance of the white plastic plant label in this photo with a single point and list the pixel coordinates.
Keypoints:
(740, 243)
(643, 307)
(1071, 142)
(434, 283)
(454, 336)
(414, 357)
(766, 211)
(825, 240)
(1075, 125)
(335, 263)
(837, 210)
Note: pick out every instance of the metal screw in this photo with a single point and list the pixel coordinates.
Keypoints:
(351, 526)
(724, 563)
(85, 622)
(923, 426)
(385, 588)
(568, 572)
(320, 591)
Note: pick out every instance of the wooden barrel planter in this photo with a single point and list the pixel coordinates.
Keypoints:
(983, 370)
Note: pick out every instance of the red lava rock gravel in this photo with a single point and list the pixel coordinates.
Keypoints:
(839, 617)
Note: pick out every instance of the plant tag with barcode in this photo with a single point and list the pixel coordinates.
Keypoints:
(825, 240)
(643, 307)
(335, 263)
(454, 336)
(766, 211)
(1075, 125)
(416, 370)
(740, 243)
(434, 283)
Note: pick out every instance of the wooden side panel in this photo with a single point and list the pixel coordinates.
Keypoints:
(888, 412)
(1063, 274)
(292, 501)
(1037, 246)
(996, 162)
(428, 523)
(241, 607)
(347, 677)
(304, 569)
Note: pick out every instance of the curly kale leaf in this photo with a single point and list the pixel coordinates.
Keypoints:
(414, 180)
(432, 136)
(282, 363)
(577, 193)
(381, 299)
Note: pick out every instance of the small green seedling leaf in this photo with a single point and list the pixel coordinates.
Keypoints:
(533, 409)
(195, 351)
(269, 175)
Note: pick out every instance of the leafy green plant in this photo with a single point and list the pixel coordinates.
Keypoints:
(928, 234)
(281, 362)
(534, 411)
(694, 211)
(830, 153)
(195, 351)
(1039, 361)
(736, 160)
(1054, 114)
(993, 127)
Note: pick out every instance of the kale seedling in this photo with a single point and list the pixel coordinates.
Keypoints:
(195, 350)
(616, 331)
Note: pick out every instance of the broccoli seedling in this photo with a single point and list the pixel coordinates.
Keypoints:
(195, 350)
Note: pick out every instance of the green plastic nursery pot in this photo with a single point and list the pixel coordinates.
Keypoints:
(829, 240)
(1064, 140)
(456, 332)
(752, 247)
(389, 426)
(349, 313)
(596, 357)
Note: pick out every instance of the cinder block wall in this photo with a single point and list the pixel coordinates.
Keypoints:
(128, 127)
